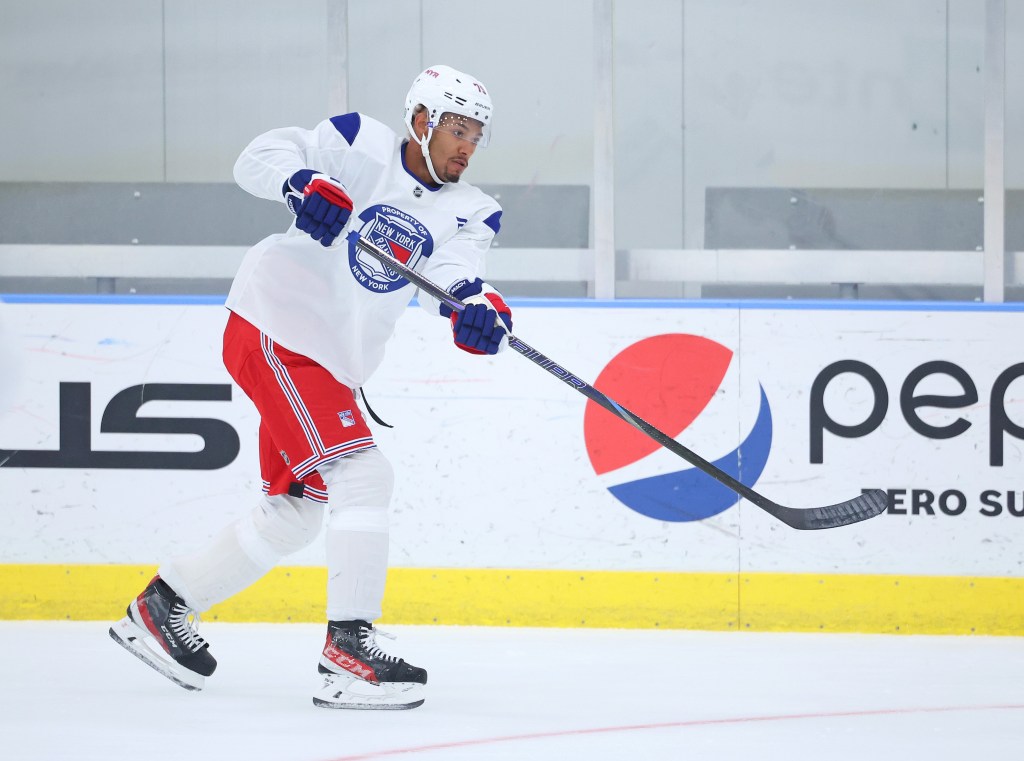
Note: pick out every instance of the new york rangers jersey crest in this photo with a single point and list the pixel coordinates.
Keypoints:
(398, 233)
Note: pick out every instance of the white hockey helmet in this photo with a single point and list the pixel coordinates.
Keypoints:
(442, 89)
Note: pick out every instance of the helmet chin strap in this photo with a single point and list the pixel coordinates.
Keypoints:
(425, 148)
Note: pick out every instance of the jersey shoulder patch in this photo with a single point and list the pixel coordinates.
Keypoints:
(494, 221)
(348, 125)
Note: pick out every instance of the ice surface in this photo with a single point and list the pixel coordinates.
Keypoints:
(67, 691)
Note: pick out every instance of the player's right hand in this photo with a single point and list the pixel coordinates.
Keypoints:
(320, 204)
(483, 326)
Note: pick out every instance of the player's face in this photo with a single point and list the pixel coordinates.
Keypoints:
(453, 143)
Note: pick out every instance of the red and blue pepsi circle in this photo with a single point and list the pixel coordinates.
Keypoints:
(669, 380)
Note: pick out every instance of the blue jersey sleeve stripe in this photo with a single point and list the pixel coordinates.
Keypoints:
(348, 125)
(494, 222)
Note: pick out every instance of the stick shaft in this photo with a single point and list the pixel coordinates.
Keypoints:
(566, 376)
(851, 511)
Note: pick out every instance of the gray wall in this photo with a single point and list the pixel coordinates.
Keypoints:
(710, 93)
(828, 93)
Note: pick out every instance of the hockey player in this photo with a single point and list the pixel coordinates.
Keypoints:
(309, 318)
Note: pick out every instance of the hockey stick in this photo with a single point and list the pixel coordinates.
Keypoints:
(860, 508)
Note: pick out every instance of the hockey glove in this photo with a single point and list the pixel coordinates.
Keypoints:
(320, 205)
(483, 326)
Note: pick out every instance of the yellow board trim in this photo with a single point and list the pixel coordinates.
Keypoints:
(592, 599)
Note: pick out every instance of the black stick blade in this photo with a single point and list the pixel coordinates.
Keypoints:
(867, 505)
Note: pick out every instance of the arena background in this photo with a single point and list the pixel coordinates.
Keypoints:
(823, 182)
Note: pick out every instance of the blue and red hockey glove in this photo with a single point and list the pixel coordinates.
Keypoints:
(320, 205)
(483, 326)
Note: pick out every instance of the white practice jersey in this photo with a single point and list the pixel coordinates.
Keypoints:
(337, 305)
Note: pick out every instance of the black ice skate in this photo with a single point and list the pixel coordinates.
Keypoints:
(356, 673)
(160, 629)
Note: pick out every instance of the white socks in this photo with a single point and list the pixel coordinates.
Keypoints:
(243, 552)
(359, 489)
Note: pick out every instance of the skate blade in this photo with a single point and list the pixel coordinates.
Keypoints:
(135, 641)
(350, 692)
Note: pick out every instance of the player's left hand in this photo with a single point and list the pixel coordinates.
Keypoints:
(322, 209)
(483, 326)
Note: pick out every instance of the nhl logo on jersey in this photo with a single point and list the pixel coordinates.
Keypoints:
(398, 233)
(417, 191)
(347, 418)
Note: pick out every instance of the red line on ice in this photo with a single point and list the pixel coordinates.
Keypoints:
(666, 725)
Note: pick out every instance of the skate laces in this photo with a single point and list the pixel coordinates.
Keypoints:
(184, 622)
(368, 641)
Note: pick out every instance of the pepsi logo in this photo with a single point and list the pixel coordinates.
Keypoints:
(674, 382)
